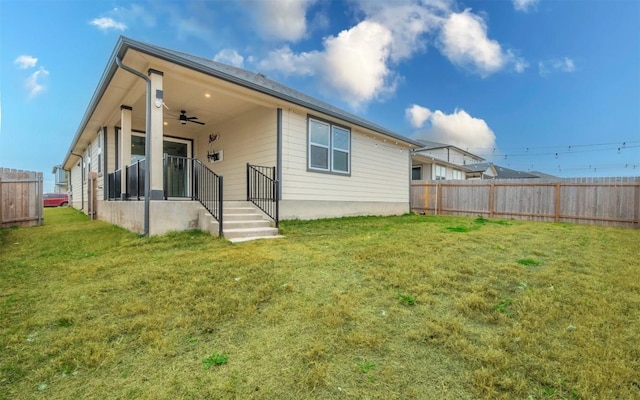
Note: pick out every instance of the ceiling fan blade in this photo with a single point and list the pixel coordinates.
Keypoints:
(195, 122)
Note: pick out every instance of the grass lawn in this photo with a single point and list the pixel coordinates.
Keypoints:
(410, 307)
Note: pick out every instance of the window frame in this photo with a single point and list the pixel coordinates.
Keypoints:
(437, 177)
(457, 175)
(331, 147)
(416, 168)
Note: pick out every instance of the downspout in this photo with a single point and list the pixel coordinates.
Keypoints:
(147, 170)
(81, 179)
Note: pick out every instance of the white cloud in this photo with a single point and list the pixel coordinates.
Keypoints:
(408, 21)
(417, 115)
(281, 19)
(135, 13)
(355, 62)
(34, 83)
(229, 56)
(106, 23)
(459, 129)
(524, 5)
(285, 61)
(26, 61)
(464, 41)
(359, 63)
(192, 27)
(564, 64)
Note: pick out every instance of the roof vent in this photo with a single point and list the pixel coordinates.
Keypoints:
(261, 75)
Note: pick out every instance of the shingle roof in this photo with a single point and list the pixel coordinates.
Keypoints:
(480, 167)
(506, 173)
(239, 76)
(261, 83)
(430, 145)
(501, 172)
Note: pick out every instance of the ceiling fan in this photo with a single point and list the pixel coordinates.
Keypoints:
(184, 119)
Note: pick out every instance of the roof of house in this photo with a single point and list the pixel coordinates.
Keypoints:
(479, 167)
(255, 81)
(430, 145)
(542, 175)
(501, 172)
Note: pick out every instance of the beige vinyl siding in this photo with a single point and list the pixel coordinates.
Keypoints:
(97, 164)
(248, 138)
(76, 185)
(379, 168)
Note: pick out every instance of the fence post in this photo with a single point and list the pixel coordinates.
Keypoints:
(557, 202)
(438, 199)
(492, 201)
(1, 199)
(636, 205)
(40, 196)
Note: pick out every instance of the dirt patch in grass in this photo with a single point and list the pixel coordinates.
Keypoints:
(391, 308)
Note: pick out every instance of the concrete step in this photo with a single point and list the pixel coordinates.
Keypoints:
(254, 223)
(250, 232)
(237, 203)
(240, 210)
(242, 222)
(242, 217)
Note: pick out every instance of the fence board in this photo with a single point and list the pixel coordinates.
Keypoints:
(603, 201)
(20, 198)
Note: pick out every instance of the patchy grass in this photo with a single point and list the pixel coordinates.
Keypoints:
(528, 262)
(88, 310)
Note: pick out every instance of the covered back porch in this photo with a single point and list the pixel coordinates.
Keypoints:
(172, 132)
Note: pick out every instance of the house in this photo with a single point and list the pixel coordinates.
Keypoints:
(60, 182)
(489, 170)
(171, 141)
(438, 161)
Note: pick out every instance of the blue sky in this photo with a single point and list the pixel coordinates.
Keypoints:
(552, 86)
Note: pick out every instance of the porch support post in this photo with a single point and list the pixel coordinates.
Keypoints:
(155, 159)
(125, 147)
(279, 151)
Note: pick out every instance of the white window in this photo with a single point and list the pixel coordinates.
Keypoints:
(329, 147)
(440, 172)
(416, 173)
(457, 174)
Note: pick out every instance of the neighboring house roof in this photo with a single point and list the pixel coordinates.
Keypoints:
(430, 145)
(501, 172)
(479, 167)
(239, 76)
(429, 159)
(542, 175)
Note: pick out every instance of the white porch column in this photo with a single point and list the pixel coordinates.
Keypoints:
(156, 135)
(125, 146)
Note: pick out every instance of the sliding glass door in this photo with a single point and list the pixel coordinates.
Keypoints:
(177, 167)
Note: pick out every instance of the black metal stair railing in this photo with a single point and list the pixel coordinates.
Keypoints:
(207, 189)
(263, 190)
(114, 181)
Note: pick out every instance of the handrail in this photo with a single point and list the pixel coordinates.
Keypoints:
(262, 190)
(206, 186)
(135, 179)
(114, 180)
(134, 174)
(207, 189)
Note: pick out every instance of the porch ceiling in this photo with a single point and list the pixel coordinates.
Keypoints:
(208, 98)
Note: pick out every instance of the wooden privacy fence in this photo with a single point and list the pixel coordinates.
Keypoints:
(602, 201)
(20, 198)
